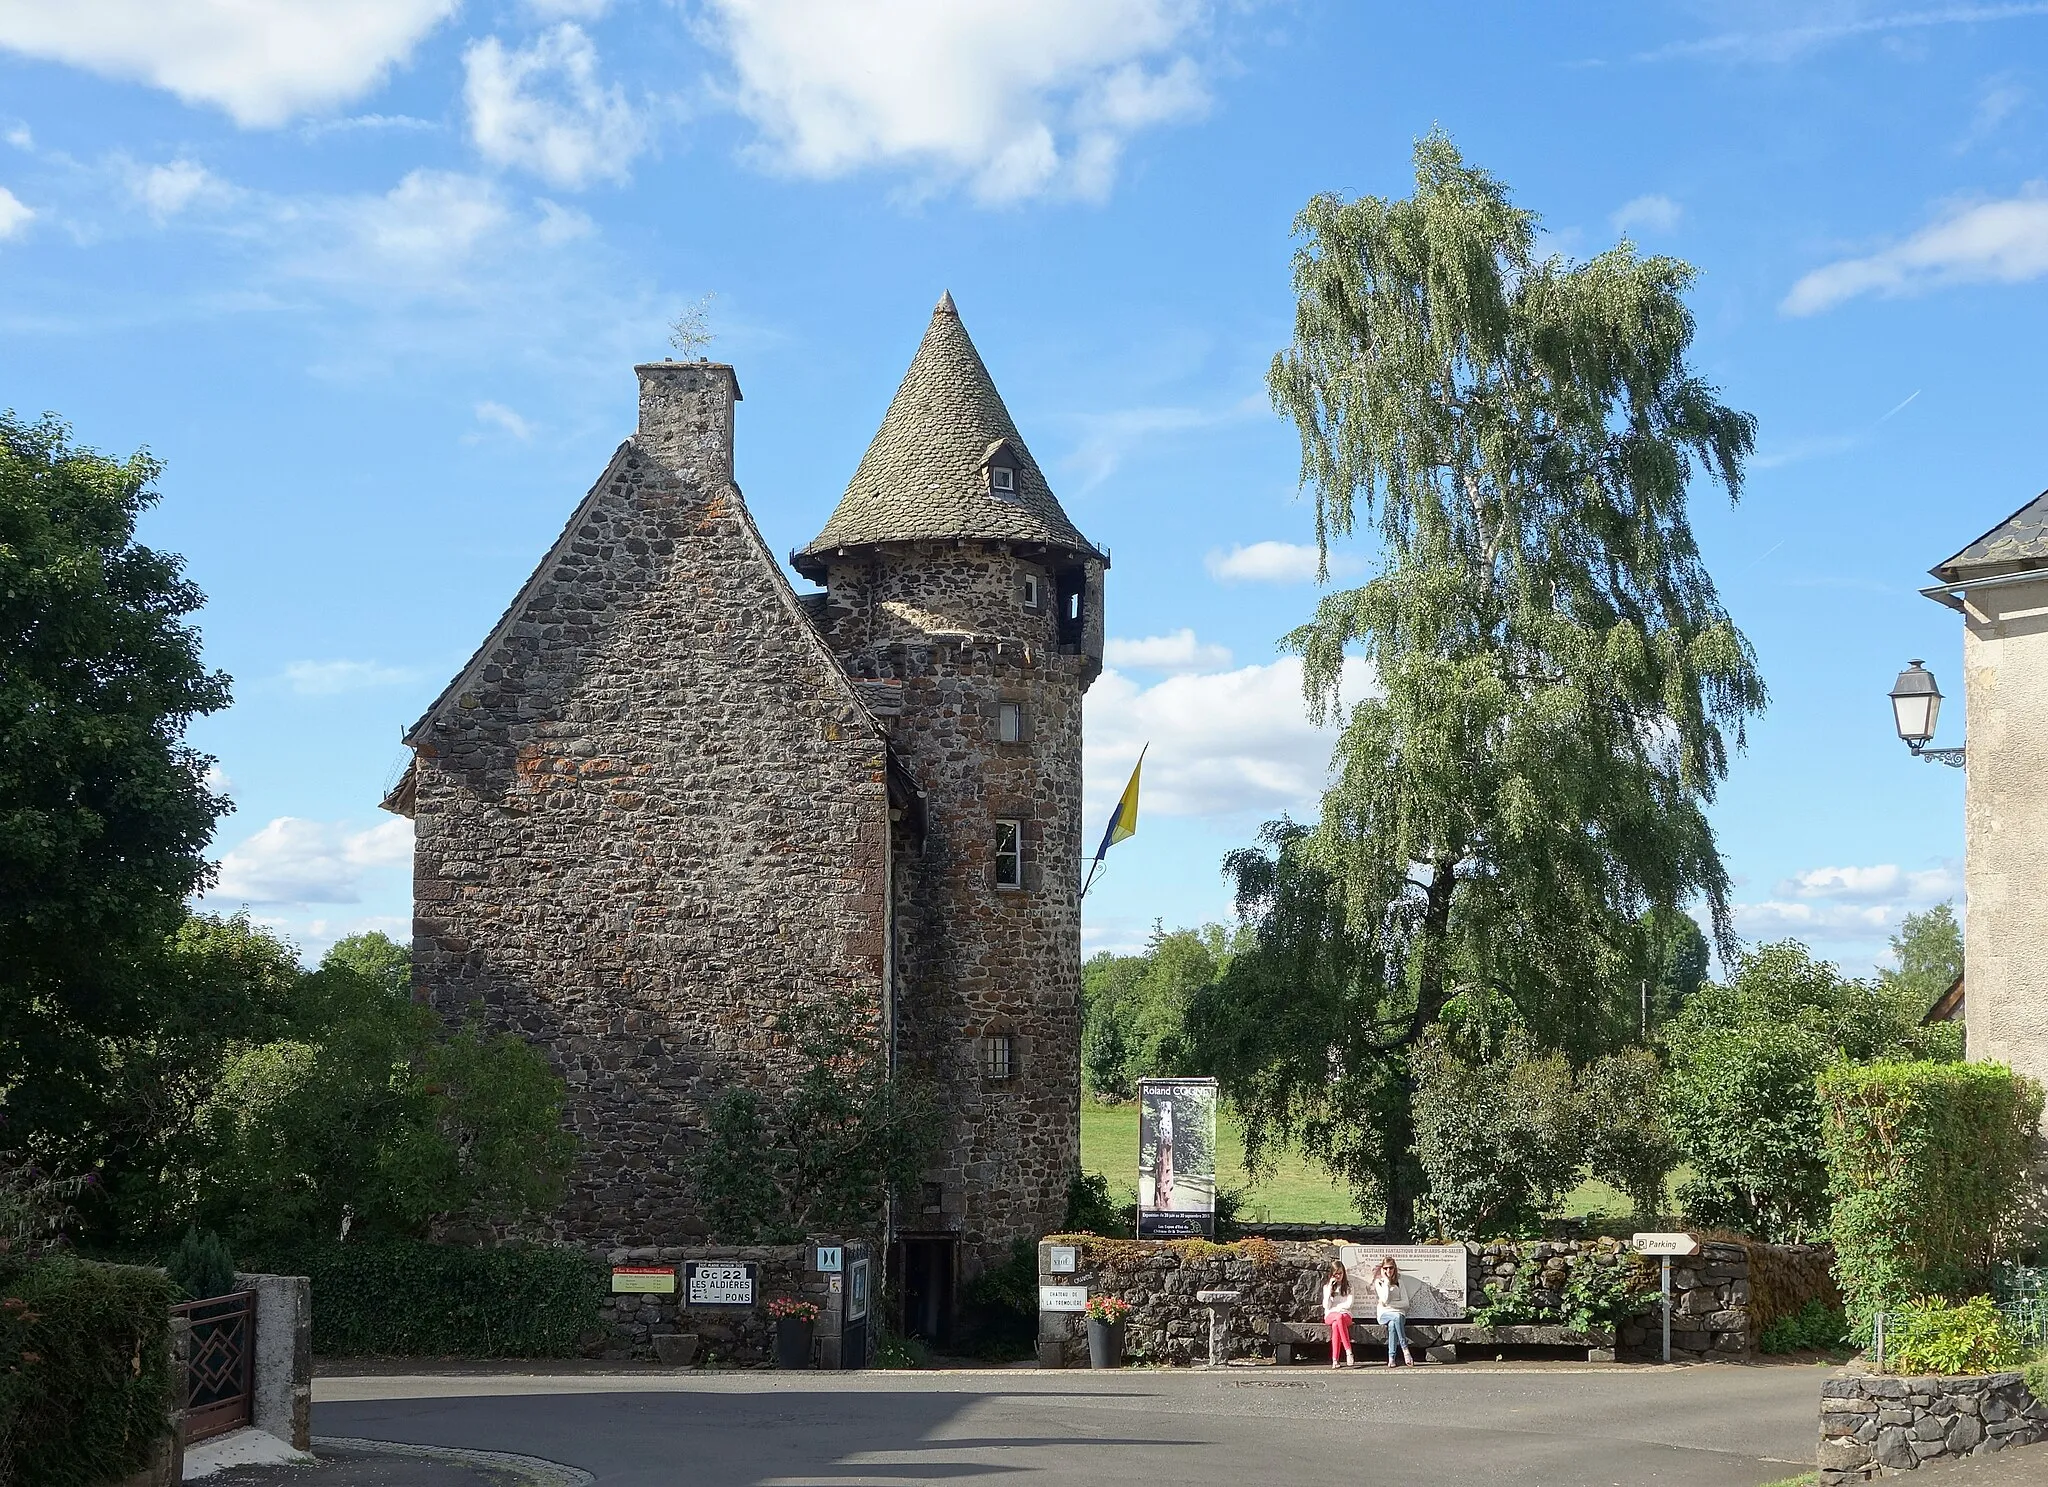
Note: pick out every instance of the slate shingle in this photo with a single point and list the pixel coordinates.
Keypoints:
(921, 479)
(2019, 542)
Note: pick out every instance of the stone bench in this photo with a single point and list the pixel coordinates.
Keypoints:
(1437, 1341)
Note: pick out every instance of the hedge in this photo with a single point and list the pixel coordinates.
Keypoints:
(1926, 1163)
(85, 1371)
(410, 1299)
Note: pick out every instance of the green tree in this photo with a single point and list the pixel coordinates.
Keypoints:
(1628, 1142)
(104, 809)
(1134, 1007)
(1675, 960)
(1556, 686)
(1740, 1097)
(1929, 949)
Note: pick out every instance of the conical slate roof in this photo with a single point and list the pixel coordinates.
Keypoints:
(922, 477)
(2019, 542)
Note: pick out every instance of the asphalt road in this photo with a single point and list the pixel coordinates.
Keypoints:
(1712, 1426)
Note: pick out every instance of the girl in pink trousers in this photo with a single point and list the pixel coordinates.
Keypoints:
(1337, 1313)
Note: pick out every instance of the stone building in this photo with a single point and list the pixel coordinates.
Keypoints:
(1999, 584)
(669, 799)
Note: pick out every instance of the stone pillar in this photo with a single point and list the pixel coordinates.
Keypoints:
(283, 1396)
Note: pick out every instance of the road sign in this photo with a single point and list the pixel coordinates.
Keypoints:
(1062, 1298)
(1665, 1244)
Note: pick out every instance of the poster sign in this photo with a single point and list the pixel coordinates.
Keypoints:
(857, 1290)
(1062, 1298)
(1176, 1158)
(652, 1279)
(1433, 1277)
(720, 1282)
(831, 1258)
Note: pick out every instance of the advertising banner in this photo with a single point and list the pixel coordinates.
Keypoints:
(1176, 1158)
(1432, 1278)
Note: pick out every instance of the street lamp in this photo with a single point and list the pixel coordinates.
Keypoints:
(1916, 703)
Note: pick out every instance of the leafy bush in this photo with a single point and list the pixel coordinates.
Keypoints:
(1497, 1130)
(2035, 1372)
(85, 1373)
(1092, 1210)
(1815, 1327)
(1739, 1097)
(409, 1299)
(1627, 1142)
(201, 1266)
(823, 1157)
(1594, 1298)
(1937, 1337)
(1000, 1314)
(1926, 1163)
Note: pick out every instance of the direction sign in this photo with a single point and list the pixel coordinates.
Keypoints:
(1666, 1244)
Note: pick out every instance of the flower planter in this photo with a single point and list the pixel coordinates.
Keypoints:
(793, 1342)
(1105, 1344)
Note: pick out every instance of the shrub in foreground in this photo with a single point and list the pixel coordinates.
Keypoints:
(85, 1372)
(1967, 1337)
(1926, 1162)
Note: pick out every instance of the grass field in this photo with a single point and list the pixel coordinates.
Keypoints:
(1296, 1193)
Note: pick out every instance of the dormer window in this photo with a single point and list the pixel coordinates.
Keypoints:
(999, 465)
(1002, 480)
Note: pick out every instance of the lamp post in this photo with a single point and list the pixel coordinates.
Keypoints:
(1916, 704)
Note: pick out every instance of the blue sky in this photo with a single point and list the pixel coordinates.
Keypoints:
(371, 277)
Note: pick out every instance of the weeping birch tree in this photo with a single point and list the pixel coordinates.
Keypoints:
(1556, 686)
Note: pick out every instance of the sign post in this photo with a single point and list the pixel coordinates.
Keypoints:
(1664, 1246)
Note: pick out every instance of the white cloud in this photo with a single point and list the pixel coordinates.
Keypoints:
(502, 418)
(1110, 437)
(331, 678)
(1014, 97)
(1180, 651)
(1274, 562)
(14, 214)
(1655, 214)
(18, 135)
(295, 861)
(573, 10)
(421, 234)
(263, 61)
(167, 190)
(1222, 742)
(1997, 242)
(1837, 23)
(1885, 883)
(543, 109)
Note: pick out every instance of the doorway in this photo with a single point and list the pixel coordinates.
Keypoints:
(927, 1272)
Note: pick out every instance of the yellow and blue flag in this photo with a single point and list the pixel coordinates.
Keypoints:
(1123, 822)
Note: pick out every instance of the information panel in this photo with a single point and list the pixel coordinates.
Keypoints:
(720, 1282)
(650, 1279)
(1432, 1278)
(1176, 1158)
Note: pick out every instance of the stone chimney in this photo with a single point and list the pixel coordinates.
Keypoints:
(686, 418)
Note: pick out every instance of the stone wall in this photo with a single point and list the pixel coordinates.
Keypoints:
(636, 1323)
(1711, 1292)
(1873, 1426)
(652, 816)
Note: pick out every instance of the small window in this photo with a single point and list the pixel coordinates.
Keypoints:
(1031, 591)
(1009, 722)
(1002, 479)
(998, 1056)
(1009, 854)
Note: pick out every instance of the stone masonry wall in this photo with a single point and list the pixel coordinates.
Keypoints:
(1282, 1281)
(948, 626)
(651, 816)
(633, 1322)
(1873, 1426)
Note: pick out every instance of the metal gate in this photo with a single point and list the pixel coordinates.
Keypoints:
(220, 1376)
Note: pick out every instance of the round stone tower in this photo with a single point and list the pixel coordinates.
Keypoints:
(969, 610)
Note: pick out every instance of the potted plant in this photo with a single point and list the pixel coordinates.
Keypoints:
(793, 1322)
(1106, 1316)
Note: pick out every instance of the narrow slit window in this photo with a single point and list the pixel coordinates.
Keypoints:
(998, 1056)
(1031, 591)
(1009, 854)
(1009, 722)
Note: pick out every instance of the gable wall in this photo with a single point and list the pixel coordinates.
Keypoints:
(651, 817)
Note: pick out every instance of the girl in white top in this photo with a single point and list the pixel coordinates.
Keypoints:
(1337, 1313)
(1391, 1294)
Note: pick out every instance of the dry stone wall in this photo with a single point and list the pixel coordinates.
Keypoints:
(651, 816)
(649, 1326)
(1872, 1426)
(1282, 1281)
